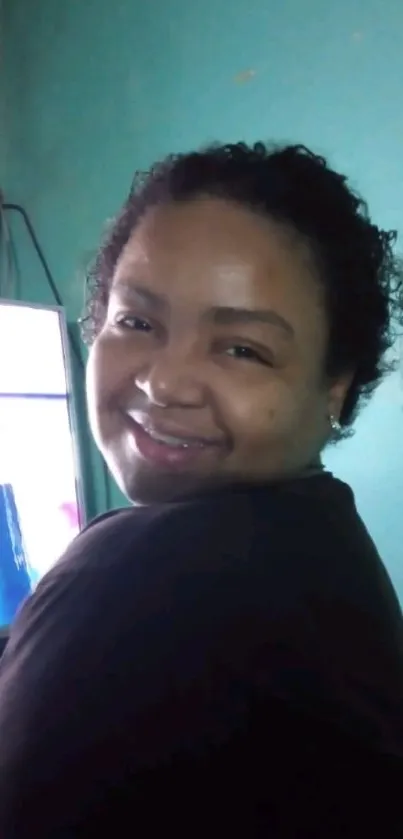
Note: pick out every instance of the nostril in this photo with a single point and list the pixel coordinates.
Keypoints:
(171, 382)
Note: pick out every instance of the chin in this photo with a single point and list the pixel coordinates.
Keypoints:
(144, 487)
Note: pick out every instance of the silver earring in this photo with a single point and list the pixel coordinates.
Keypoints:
(334, 424)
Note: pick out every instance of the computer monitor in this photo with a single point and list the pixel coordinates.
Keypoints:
(41, 497)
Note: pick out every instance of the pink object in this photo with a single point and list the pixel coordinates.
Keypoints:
(70, 511)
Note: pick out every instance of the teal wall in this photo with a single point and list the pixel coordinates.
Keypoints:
(3, 87)
(96, 90)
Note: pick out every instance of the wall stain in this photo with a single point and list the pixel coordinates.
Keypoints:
(245, 76)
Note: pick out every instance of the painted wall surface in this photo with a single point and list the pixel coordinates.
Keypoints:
(3, 106)
(99, 90)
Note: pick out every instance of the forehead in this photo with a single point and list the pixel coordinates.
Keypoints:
(211, 248)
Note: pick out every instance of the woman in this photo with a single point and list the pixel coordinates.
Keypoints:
(226, 654)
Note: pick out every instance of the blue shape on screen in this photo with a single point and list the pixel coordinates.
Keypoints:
(16, 581)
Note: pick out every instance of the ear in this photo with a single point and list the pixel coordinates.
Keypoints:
(337, 394)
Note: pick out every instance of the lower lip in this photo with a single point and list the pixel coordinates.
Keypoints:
(161, 454)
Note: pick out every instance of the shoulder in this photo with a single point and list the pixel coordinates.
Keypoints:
(225, 512)
(299, 542)
(126, 551)
(215, 519)
(313, 518)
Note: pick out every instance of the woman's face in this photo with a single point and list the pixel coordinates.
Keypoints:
(209, 366)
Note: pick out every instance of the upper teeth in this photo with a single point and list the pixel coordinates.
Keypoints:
(167, 439)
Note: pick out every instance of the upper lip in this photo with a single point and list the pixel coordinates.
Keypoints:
(173, 430)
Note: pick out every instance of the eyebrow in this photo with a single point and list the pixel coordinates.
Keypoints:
(222, 315)
(140, 293)
(228, 315)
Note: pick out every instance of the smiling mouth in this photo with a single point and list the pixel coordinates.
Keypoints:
(167, 449)
(176, 442)
(171, 436)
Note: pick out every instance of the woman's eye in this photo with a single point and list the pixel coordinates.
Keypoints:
(133, 323)
(247, 354)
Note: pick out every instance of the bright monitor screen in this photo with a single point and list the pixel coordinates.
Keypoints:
(41, 507)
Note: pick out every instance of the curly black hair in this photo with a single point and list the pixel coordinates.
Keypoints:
(361, 275)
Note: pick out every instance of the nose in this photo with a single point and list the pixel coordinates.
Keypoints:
(172, 379)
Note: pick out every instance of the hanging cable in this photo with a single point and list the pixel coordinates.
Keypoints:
(51, 282)
(7, 273)
(17, 208)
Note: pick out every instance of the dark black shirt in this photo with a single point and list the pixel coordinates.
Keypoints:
(224, 664)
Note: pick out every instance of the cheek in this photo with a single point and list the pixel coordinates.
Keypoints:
(274, 412)
(106, 370)
(94, 366)
(102, 385)
(256, 412)
(94, 371)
